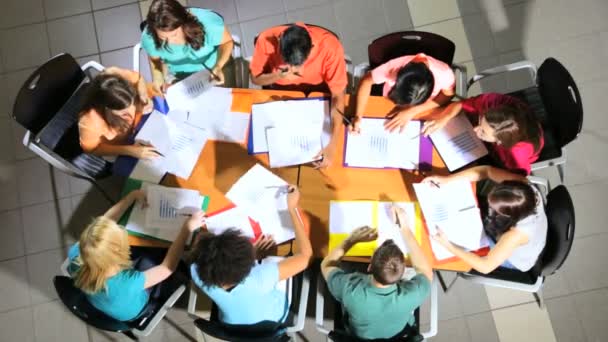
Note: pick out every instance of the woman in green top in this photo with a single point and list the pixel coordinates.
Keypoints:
(183, 41)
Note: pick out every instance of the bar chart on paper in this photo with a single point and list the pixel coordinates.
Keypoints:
(166, 210)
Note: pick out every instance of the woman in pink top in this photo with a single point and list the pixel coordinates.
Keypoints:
(414, 83)
(505, 122)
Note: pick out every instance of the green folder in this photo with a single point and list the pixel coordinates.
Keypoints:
(134, 184)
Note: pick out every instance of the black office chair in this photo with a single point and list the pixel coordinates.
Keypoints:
(265, 331)
(75, 300)
(560, 235)
(47, 106)
(397, 44)
(339, 333)
(555, 101)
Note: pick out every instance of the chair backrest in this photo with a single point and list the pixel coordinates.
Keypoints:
(75, 300)
(265, 331)
(46, 91)
(398, 44)
(562, 100)
(560, 232)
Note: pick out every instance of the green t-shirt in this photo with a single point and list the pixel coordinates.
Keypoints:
(375, 312)
(183, 58)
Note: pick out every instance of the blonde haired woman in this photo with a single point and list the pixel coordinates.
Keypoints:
(102, 267)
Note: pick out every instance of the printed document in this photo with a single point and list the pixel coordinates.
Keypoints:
(233, 218)
(458, 144)
(183, 92)
(287, 148)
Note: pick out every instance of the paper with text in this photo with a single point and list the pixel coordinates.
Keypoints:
(263, 196)
(286, 148)
(233, 218)
(458, 144)
(167, 206)
(378, 148)
(183, 92)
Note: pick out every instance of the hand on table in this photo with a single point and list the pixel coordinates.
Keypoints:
(355, 125)
(218, 75)
(139, 196)
(431, 126)
(362, 234)
(397, 120)
(263, 246)
(324, 158)
(142, 151)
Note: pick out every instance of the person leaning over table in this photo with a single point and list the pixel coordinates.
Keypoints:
(113, 105)
(116, 280)
(415, 83)
(304, 58)
(504, 122)
(379, 304)
(224, 267)
(515, 220)
(182, 41)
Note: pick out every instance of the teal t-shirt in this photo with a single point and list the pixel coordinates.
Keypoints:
(124, 297)
(375, 312)
(257, 298)
(183, 58)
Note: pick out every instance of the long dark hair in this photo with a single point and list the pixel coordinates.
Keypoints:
(413, 85)
(107, 93)
(514, 123)
(508, 203)
(168, 15)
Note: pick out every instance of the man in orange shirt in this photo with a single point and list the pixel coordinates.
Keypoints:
(299, 57)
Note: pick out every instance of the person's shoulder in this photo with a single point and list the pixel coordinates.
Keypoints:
(207, 16)
(418, 285)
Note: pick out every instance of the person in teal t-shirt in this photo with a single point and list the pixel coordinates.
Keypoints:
(380, 304)
(183, 41)
(101, 264)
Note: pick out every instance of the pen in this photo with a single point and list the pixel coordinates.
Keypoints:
(348, 121)
(416, 136)
(435, 184)
(211, 72)
(467, 208)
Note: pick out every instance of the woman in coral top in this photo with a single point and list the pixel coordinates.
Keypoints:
(113, 106)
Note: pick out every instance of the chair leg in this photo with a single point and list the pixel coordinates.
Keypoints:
(130, 335)
(538, 295)
(192, 300)
(561, 169)
(445, 287)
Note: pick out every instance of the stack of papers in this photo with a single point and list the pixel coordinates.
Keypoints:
(263, 197)
(346, 216)
(233, 218)
(308, 121)
(179, 143)
(377, 148)
(452, 208)
(211, 112)
(168, 209)
(458, 144)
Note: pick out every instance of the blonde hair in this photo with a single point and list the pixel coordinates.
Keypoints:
(104, 245)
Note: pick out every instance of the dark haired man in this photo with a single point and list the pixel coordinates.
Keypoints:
(246, 292)
(380, 304)
(303, 58)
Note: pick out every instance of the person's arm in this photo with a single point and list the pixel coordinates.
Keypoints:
(223, 55)
(161, 272)
(499, 254)
(118, 209)
(337, 115)
(402, 117)
(363, 93)
(330, 262)
(417, 257)
(136, 151)
(477, 173)
(450, 111)
(159, 72)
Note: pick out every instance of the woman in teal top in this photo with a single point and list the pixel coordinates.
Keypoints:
(183, 41)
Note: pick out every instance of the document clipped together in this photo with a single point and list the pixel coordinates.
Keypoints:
(166, 212)
(457, 143)
(263, 197)
(304, 125)
(178, 143)
(346, 216)
(453, 208)
(375, 147)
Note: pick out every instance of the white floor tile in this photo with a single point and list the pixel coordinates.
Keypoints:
(74, 35)
(454, 30)
(479, 35)
(512, 37)
(20, 12)
(249, 10)
(45, 225)
(500, 298)
(21, 152)
(118, 27)
(7, 150)
(62, 8)
(482, 328)
(398, 17)
(360, 19)
(565, 320)
(453, 330)
(24, 47)
(592, 309)
(582, 56)
(592, 94)
(9, 195)
(11, 244)
(226, 8)
(36, 182)
(122, 58)
(99, 4)
(53, 322)
(253, 28)
(318, 15)
(591, 216)
(17, 325)
(13, 81)
(523, 323)
(41, 269)
(428, 12)
(14, 290)
(291, 5)
(581, 268)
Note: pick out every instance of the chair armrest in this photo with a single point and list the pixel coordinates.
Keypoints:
(64, 267)
(236, 50)
(302, 305)
(460, 73)
(504, 68)
(158, 316)
(320, 306)
(360, 70)
(544, 183)
(136, 49)
(434, 310)
(503, 283)
(94, 65)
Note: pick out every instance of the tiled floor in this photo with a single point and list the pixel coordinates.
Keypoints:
(41, 211)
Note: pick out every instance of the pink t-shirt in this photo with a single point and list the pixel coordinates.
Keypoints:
(519, 156)
(442, 73)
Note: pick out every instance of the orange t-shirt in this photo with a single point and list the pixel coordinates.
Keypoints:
(93, 129)
(325, 63)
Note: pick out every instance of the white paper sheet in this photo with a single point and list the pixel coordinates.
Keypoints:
(286, 148)
(184, 91)
(263, 196)
(452, 208)
(388, 229)
(457, 143)
(168, 206)
(292, 116)
(376, 147)
(233, 218)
